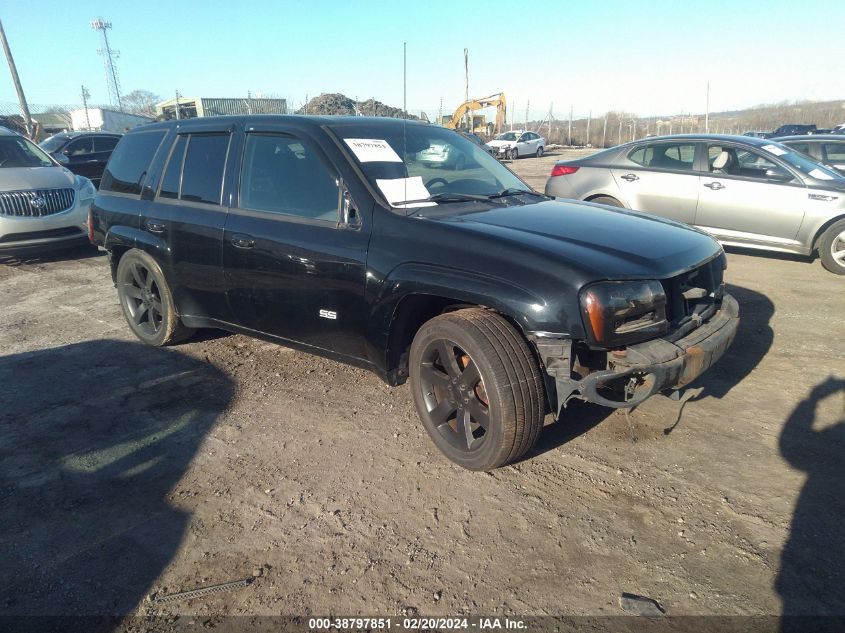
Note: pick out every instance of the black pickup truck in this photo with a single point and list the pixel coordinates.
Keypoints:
(332, 235)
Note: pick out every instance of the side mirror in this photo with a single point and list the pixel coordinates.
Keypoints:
(778, 174)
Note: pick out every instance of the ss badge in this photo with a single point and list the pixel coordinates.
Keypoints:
(328, 314)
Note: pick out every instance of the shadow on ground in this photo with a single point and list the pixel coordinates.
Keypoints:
(93, 437)
(54, 255)
(812, 571)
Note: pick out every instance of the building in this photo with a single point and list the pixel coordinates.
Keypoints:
(190, 107)
(105, 120)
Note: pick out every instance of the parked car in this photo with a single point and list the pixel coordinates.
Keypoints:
(43, 206)
(823, 148)
(326, 234)
(518, 143)
(747, 192)
(757, 134)
(84, 153)
(839, 129)
(792, 129)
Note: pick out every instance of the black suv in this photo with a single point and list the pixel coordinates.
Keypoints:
(327, 234)
(84, 153)
(793, 129)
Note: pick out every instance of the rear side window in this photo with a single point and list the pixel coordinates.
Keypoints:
(105, 143)
(283, 175)
(202, 175)
(173, 174)
(835, 152)
(679, 156)
(128, 165)
(804, 148)
(80, 147)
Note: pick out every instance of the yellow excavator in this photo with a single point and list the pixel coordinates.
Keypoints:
(493, 101)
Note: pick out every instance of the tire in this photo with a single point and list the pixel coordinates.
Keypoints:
(504, 389)
(539, 151)
(607, 201)
(147, 302)
(513, 153)
(832, 248)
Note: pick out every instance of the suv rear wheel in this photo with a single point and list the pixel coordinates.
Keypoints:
(477, 388)
(147, 302)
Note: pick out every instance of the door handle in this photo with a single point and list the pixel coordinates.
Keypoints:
(630, 177)
(242, 241)
(715, 186)
(93, 160)
(155, 227)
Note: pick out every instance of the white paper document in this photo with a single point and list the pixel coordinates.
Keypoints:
(397, 190)
(774, 149)
(372, 150)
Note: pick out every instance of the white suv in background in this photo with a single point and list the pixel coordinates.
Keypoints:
(517, 144)
(43, 205)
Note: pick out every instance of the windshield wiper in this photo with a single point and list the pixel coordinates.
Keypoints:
(444, 197)
(513, 191)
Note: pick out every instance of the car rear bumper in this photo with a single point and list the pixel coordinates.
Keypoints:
(642, 370)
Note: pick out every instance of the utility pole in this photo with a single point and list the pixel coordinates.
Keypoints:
(27, 119)
(85, 95)
(527, 105)
(569, 133)
(177, 104)
(467, 114)
(589, 120)
(405, 80)
(604, 132)
(707, 110)
(620, 131)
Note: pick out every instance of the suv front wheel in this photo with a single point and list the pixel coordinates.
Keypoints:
(477, 388)
(146, 300)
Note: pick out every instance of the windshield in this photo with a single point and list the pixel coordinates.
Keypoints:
(507, 136)
(53, 143)
(425, 163)
(807, 166)
(16, 151)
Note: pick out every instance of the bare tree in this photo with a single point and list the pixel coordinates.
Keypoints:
(141, 102)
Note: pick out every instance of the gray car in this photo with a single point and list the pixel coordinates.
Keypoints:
(823, 148)
(744, 191)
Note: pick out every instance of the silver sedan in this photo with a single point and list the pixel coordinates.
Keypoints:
(745, 191)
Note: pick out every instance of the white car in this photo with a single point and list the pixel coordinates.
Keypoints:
(518, 143)
(42, 204)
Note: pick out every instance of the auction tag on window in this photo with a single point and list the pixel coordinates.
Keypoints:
(774, 149)
(820, 175)
(398, 190)
(372, 150)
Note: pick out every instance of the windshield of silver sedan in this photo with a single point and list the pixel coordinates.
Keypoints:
(417, 166)
(16, 151)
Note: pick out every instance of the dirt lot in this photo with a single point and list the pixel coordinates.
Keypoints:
(126, 470)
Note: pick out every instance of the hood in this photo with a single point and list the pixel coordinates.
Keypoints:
(495, 143)
(20, 178)
(602, 242)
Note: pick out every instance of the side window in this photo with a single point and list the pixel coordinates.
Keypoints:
(127, 166)
(282, 174)
(734, 161)
(835, 152)
(202, 175)
(804, 148)
(104, 143)
(679, 156)
(173, 173)
(80, 147)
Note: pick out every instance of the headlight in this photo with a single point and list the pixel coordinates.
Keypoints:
(619, 313)
(85, 189)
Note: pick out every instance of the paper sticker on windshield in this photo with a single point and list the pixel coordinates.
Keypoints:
(820, 175)
(372, 150)
(400, 190)
(774, 149)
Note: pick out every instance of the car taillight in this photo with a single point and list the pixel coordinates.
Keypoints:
(90, 225)
(564, 170)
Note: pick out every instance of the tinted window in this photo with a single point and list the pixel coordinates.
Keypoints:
(128, 165)
(804, 148)
(665, 156)
(105, 143)
(173, 173)
(735, 161)
(835, 151)
(284, 175)
(202, 176)
(80, 147)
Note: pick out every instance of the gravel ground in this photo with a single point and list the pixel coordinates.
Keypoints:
(126, 471)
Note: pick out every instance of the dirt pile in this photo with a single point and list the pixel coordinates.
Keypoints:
(337, 104)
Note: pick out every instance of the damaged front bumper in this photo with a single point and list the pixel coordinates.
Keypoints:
(635, 373)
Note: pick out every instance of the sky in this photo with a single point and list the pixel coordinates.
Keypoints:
(648, 58)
